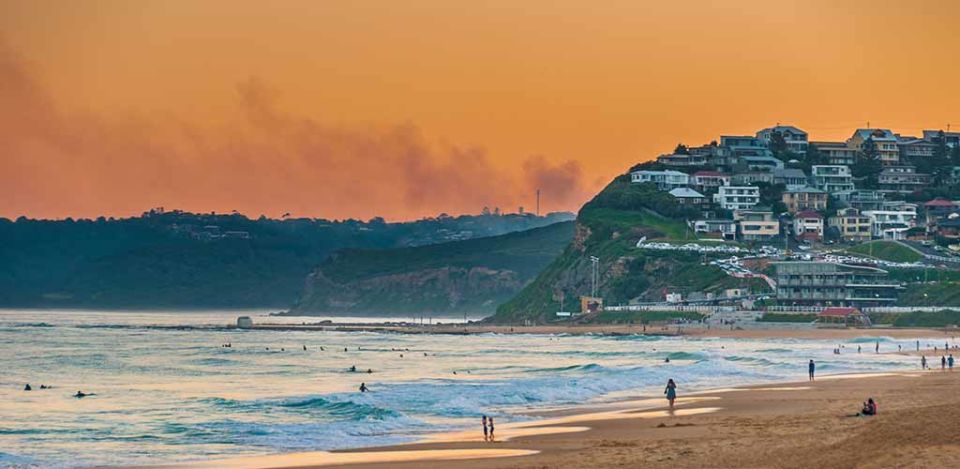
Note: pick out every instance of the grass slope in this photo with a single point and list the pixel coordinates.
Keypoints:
(887, 251)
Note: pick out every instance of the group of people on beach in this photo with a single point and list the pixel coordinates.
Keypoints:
(488, 428)
(946, 362)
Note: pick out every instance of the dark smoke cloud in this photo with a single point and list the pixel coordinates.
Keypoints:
(264, 160)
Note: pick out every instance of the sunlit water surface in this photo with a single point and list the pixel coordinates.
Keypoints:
(166, 394)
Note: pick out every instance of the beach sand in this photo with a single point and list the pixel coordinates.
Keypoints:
(787, 425)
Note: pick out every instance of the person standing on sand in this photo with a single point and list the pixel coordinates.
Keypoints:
(943, 363)
(812, 369)
(671, 392)
(483, 422)
(950, 362)
(923, 362)
(878, 346)
(490, 425)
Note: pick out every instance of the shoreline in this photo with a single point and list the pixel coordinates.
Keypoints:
(683, 330)
(544, 442)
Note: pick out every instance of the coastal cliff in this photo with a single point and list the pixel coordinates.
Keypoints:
(471, 276)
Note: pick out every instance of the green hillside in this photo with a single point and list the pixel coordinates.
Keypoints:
(465, 276)
(887, 251)
(609, 227)
(183, 260)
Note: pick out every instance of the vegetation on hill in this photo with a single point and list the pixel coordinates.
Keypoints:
(609, 227)
(464, 276)
(886, 250)
(184, 260)
(944, 318)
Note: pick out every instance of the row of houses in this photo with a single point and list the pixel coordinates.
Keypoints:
(745, 163)
(755, 152)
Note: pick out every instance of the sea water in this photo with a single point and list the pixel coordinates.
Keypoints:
(167, 391)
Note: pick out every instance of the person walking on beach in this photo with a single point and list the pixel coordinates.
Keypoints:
(943, 363)
(878, 347)
(483, 422)
(950, 362)
(490, 426)
(923, 362)
(812, 368)
(858, 349)
(671, 392)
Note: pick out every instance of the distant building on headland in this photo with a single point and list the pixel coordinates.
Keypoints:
(829, 284)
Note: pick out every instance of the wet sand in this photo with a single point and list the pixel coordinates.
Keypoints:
(802, 424)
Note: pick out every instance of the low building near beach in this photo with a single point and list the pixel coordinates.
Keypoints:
(846, 316)
(813, 283)
(244, 322)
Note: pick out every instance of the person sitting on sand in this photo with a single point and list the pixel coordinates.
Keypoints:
(869, 408)
(363, 387)
(369, 370)
(81, 395)
(353, 368)
(671, 392)
(27, 387)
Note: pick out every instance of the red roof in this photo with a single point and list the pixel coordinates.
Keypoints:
(939, 203)
(840, 312)
(808, 214)
(708, 173)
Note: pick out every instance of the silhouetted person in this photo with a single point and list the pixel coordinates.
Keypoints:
(363, 387)
(27, 387)
(812, 368)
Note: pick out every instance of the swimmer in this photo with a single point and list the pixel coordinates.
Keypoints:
(363, 387)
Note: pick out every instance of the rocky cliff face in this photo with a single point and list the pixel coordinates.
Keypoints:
(472, 276)
(439, 290)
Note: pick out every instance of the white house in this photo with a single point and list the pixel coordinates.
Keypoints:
(665, 180)
(737, 197)
(808, 226)
(725, 229)
(687, 196)
(891, 224)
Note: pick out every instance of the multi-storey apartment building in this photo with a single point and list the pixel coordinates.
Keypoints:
(902, 179)
(709, 180)
(832, 178)
(830, 284)
(737, 197)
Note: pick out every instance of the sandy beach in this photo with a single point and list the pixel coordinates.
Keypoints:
(799, 424)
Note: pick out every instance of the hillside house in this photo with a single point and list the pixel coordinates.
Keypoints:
(804, 198)
(679, 159)
(665, 180)
(838, 153)
(756, 225)
(792, 178)
(688, 196)
(795, 138)
(832, 178)
(853, 225)
(723, 229)
(808, 226)
(902, 179)
(737, 197)
(885, 140)
(709, 180)
(891, 224)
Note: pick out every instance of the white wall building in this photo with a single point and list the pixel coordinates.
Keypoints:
(665, 180)
(891, 224)
(737, 197)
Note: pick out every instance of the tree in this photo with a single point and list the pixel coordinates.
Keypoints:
(867, 165)
(681, 150)
(955, 155)
(778, 145)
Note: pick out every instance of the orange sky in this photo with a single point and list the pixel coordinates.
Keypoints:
(407, 109)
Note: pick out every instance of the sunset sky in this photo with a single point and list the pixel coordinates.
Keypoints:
(406, 109)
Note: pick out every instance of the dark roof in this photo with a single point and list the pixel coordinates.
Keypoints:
(808, 214)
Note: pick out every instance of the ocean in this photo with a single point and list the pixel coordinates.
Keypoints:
(165, 390)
